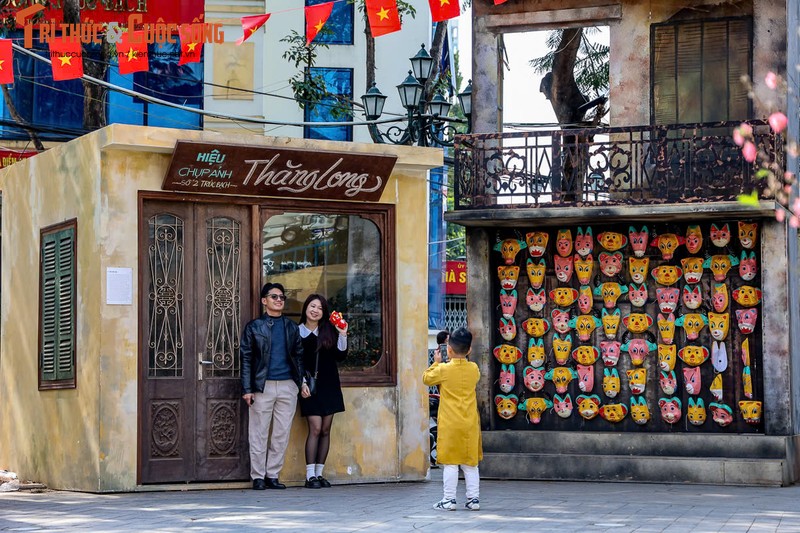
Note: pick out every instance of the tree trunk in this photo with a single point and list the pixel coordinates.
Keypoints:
(12, 110)
(94, 96)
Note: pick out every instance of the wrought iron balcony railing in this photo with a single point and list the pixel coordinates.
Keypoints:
(609, 166)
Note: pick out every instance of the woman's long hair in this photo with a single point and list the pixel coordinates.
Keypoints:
(326, 333)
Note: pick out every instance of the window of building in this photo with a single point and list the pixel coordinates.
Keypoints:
(347, 258)
(697, 68)
(339, 26)
(57, 275)
(339, 82)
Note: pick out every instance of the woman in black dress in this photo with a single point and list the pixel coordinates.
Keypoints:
(321, 338)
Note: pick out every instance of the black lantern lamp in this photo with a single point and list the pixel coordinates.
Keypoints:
(422, 65)
(373, 103)
(465, 98)
(438, 106)
(410, 92)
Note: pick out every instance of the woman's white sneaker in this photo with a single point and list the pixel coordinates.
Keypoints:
(473, 504)
(445, 505)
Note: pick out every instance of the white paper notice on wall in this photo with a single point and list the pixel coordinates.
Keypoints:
(119, 286)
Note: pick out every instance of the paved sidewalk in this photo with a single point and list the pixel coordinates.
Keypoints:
(512, 506)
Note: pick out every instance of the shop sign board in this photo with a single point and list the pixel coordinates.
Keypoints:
(9, 157)
(455, 277)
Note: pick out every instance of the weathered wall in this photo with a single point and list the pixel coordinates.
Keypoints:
(86, 438)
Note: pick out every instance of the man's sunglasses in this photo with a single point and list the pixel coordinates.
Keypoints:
(280, 297)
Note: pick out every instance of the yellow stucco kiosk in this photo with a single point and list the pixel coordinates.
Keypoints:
(131, 259)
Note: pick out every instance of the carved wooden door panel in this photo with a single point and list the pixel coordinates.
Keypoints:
(195, 295)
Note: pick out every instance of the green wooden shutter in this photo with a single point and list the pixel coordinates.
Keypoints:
(58, 305)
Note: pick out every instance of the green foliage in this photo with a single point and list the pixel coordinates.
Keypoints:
(591, 66)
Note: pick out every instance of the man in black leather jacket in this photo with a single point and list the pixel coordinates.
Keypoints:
(272, 375)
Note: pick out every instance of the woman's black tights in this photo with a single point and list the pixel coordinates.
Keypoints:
(318, 441)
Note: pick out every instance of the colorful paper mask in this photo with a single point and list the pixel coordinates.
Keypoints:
(610, 292)
(612, 241)
(585, 326)
(585, 378)
(666, 328)
(508, 329)
(563, 268)
(747, 296)
(564, 242)
(720, 235)
(693, 355)
(718, 324)
(640, 412)
(667, 243)
(692, 324)
(667, 299)
(562, 348)
(584, 268)
(748, 268)
(667, 355)
(638, 349)
(747, 382)
(638, 268)
(716, 387)
(585, 300)
(639, 240)
(508, 277)
(584, 243)
(637, 294)
(746, 352)
(507, 354)
(638, 322)
(696, 412)
(533, 378)
(536, 327)
(588, 406)
(507, 378)
(746, 320)
(694, 239)
(535, 299)
(692, 269)
(537, 243)
(637, 380)
(668, 382)
(610, 322)
(751, 411)
(564, 296)
(667, 274)
(609, 351)
(508, 303)
(719, 297)
(610, 264)
(691, 297)
(720, 265)
(692, 379)
(611, 383)
(560, 320)
(506, 405)
(535, 407)
(719, 356)
(536, 354)
(535, 271)
(721, 413)
(748, 235)
(509, 249)
(585, 355)
(670, 409)
(614, 412)
(561, 376)
(562, 405)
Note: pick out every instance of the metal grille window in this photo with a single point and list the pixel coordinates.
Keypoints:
(697, 69)
(57, 307)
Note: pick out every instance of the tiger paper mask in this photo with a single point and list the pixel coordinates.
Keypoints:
(610, 292)
(508, 277)
(611, 382)
(610, 322)
(720, 265)
(584, 268)
(506, 405)
(537, 243)
(536, 353)
(751, 411)
(535, 271)
(638, 269)
(692, 269)
(640, 412)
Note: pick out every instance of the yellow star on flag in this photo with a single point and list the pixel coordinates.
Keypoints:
(253, 30)
(131, 54)
(444, 2)
(65, 60)
(383, 14)
(191, 47)
(1, 63)
(319, 26)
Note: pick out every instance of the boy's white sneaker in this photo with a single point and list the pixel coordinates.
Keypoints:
(473, 504)
(445, 505)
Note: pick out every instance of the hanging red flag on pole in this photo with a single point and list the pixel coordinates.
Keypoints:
(444, 9)
(383, 17)
(191, 52)
(250, 25)
(132, 52)
(316, 17)
(66, 56)
(6, 62)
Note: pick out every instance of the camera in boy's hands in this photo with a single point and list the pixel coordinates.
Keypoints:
(443, 352)
(337, 320)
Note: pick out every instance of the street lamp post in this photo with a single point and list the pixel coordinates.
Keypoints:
(431, 128)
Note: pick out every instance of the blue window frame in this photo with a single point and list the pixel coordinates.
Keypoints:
(339, 25)
(338, 81)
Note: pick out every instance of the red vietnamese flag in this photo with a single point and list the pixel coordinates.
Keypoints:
(250, 25)
(316, 16)
(383, 17)
(66, 56)
(132, 52)
(191, 52)
(6, 62)
(444, 9)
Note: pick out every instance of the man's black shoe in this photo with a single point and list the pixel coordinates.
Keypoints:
(324, 483)
(259, 484)
(273, 483)
(313, 483)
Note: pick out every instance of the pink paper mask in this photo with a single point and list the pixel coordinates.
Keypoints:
(507, 378)
(508, 302)
(584, 243)
(746, 319)
(610, 263)
(533, 378)
(670, 409)
(535, 299)
(563, 268)
(639, 240)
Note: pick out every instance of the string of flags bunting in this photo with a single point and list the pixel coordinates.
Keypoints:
(66, 54)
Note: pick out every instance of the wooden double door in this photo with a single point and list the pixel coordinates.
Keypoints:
(195, 297)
